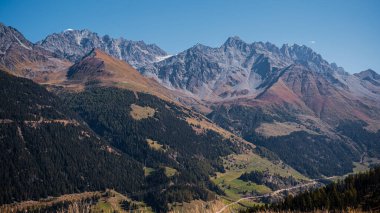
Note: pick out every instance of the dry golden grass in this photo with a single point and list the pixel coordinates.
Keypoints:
(197, 206)
(154, 145)
(201, 125)
(68, 198)
(281, 129)
(108, 201)
(139, 112)
(111, 203)
(148, 171)
(64, 122)
(170, 171)
(124, 76)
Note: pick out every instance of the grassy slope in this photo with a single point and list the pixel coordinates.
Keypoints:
(107, 201)
(236, 165)
(111, 202)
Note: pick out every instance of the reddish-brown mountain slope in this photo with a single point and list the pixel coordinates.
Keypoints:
(99, 68)
(312, 93)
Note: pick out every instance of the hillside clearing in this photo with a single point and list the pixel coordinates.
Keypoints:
(155, 145)
(276, 129)
(170, 171)
(139, 112)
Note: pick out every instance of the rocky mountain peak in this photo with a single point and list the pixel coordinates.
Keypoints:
(199, 47)
(234, 41)
(11, 36)
(74, 44)
(299, 52)
(370, 76)
(306, 56)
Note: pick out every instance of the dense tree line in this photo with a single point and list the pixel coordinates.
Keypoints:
(273, 181)
(368, 141)
(107, 111)
(161, 190)
(359, 191)
(313, 155)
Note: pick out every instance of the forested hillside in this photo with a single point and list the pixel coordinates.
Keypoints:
(368, 140)
(157, 134)
(47, 151)
(321, 155)
(360, 191)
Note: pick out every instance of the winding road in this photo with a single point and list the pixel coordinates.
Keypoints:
(312, 182)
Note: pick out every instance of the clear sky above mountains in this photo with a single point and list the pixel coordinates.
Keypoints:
(344, 31)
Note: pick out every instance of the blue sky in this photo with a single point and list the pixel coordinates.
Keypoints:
(343, 31)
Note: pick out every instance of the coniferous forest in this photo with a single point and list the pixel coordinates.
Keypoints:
(47, 151)
(360, 191)
(108, 112)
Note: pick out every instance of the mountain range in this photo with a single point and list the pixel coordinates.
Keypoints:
(193, 122)
(74, 44)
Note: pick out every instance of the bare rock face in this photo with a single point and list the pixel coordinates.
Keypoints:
(9, 36)
(236, 68)
(369, 76)
(75, 44)
(21, 57)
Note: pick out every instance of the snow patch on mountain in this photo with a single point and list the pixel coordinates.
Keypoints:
(21, 44)
(161, 58)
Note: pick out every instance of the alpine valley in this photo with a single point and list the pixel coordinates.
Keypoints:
(91, 123)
